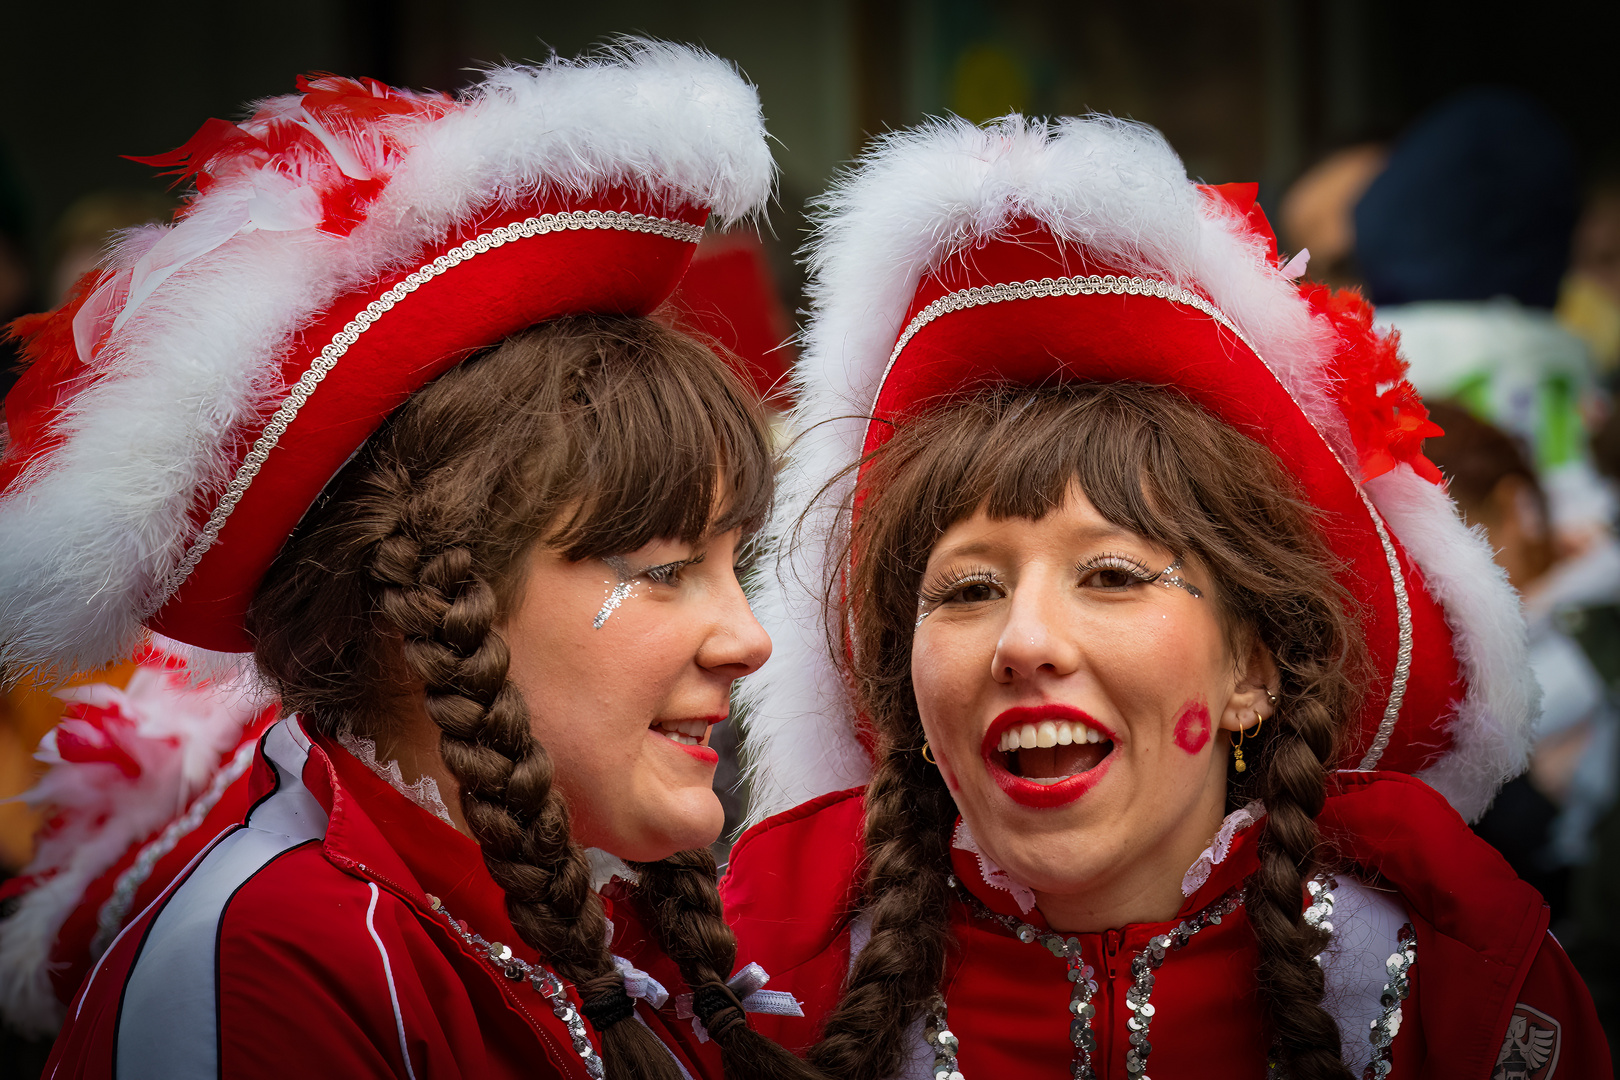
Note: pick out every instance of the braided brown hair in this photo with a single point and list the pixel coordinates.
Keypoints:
(595, 436)
(1152, 462)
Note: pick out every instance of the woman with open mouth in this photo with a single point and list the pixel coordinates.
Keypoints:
(385, 409)
(1134, 675)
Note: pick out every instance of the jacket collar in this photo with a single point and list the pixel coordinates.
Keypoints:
(1241, 860)
(378, 834)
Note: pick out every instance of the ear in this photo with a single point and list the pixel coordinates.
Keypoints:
(1256, 682)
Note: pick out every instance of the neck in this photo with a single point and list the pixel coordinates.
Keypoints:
(1145, 889)
(412, 739)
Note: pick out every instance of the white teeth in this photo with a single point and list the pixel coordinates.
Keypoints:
(685, 732)
(1047, 733)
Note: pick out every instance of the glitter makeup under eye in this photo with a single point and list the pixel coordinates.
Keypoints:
(618, 594)
(1169, 579)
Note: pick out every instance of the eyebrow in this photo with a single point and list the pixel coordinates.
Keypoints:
(986, 547)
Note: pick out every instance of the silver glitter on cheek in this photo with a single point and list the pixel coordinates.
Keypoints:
(619, 593)
(1169, 579)
(922, 613)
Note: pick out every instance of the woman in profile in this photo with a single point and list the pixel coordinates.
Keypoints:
(1117, 615)
(386, 409)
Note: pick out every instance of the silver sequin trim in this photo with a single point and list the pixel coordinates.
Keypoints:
(544, 981)
(1403, 655)
(1081, 1010)
(344, 339)
(1388, 1024)
(110, 919)
(1320, 913)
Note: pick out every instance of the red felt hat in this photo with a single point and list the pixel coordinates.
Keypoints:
(344, 246)
(955, 258)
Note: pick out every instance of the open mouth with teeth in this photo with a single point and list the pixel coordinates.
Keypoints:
(1048, 755)
(689, 735)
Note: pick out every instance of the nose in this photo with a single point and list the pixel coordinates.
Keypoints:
(1035, 637)
(736, 644)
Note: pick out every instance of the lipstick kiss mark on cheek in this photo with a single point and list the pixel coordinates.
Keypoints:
(1192, 727)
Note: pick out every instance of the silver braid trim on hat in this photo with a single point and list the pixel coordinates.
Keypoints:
(1122, 285)
(1403, 655)
(1092, 285)
(345, 338)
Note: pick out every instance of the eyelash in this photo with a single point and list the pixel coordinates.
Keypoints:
(952, 585)
(670, 573)
(1123, 563)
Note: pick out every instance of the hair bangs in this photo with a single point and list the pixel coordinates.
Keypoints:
(666, 445)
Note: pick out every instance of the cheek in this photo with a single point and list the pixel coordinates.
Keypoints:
(943, 680)
(1192, 727)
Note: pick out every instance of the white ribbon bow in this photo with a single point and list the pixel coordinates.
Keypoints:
(639, 984)
(747, 985)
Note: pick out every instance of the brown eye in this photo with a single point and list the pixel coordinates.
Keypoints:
(1109, 577)
(976, 592)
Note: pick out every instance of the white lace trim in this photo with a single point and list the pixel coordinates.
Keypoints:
(994, 876)
(1220, 847)
(605, 866)
(424, 792)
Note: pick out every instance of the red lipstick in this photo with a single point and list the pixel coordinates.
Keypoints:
(1027, 792)
(702, 752)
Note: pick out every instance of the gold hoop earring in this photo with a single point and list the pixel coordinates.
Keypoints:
(927, 756)
(1237, 748)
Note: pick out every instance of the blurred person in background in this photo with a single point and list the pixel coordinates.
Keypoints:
(1589, 302)
(1463, 241)
(1318, 211)
(91, 222)
(1542, 820)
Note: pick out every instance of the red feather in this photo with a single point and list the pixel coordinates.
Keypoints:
(1387, 419)
(53, 374)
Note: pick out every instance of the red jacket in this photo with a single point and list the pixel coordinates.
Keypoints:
(302, 942)
(1488, 982)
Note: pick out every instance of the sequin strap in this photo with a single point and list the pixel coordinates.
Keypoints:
(1388, 1024)
(544, 981)
(944, 1043)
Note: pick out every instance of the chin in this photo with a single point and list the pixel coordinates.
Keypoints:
(679, 825)
(1048, 861)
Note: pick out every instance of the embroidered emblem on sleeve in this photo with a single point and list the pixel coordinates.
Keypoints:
(1530, 1049)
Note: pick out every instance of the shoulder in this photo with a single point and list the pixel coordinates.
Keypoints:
(800, 863)
(1485, 962)
(790, 892)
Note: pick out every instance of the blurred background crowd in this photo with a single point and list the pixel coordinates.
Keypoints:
(1462, 169)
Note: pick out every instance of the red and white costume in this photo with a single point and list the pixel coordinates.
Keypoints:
(344, 246)
(306, 939)
(1027, 253)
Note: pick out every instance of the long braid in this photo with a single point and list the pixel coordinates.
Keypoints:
(908, 820)
(1293, 783)
(446, 615)
(683, 900)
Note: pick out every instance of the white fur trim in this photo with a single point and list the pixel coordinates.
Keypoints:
(1495, 722)
(179, 737)
(89, 533)
(1115, 187)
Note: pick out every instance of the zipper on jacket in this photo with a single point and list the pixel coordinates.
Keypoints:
(1111, 957)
